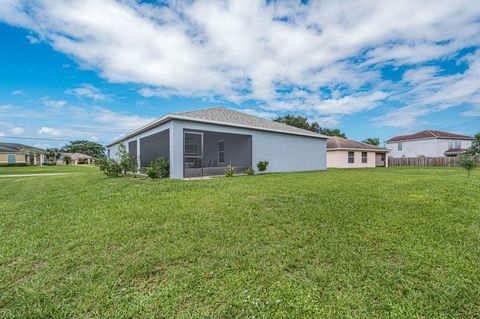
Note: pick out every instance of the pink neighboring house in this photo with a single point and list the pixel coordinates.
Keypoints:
(345, 153)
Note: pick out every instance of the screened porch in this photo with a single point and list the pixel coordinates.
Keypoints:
(208, 153)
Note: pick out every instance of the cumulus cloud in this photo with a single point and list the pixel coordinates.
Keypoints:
(18, 130)
(53, 103)
(2, 134)
(18, 92)
(427, 91)
(87, 90)
(322, 58)
(32, 39)
(49, 131)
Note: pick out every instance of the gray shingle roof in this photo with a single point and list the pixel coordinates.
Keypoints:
(337, 142)
(237, 118)
(18, 148)
(227, 117)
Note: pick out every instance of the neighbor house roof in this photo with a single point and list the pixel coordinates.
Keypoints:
(226, 117)
(340, 143)
(18, 148)
(429, 134)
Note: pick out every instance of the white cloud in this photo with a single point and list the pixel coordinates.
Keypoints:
(429, 92)
(328, 121)
(323, 58)
(18, 92)
(2, 134)
(53, 103)
(49, 131)
(119, 121)
(18, 130)
(32, 39)
(87, 90)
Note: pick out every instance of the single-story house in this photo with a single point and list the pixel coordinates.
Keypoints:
(203, 142)
(19, 154)
(345, 153)
(76, 159)
(429, 143)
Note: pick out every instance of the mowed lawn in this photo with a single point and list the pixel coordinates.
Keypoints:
(366, 243)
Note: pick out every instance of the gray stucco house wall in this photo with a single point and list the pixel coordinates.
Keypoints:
(286, 152)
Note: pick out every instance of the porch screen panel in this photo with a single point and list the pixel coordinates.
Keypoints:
(154, 146)
(132, 148)
(193, 154)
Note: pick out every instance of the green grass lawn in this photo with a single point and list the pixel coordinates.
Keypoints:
(366, 243)
(45, 169)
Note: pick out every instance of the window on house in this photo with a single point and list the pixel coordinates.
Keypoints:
(400, 146)
(108, 153)
(351, 157)
(221, 152)
(11, 159)
(364, 157)
(457, 144)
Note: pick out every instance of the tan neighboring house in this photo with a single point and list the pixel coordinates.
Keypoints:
(345, 153)
(19, 154)
(76, 159)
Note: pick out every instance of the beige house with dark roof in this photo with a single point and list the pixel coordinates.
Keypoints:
(429, 143)
(345, 153)
(76, 159)
(19, 154)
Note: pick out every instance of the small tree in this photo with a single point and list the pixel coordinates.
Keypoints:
(53, 155)
(375, 141)
(127, 162)
(109, 167)
(262, 166)
(67, 160)
(468, 162)
(474, 150)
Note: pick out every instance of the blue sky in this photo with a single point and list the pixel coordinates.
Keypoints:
(95, 70)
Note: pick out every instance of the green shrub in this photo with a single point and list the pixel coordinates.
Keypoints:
(12, 164)
(109, 167)
(128, 162)
(249, 171)
(262, 166)
(468, 162)
(229, 170)
(159, 168)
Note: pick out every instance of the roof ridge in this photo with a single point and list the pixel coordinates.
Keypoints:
(205, 108)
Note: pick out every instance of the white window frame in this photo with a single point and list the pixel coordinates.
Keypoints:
(400, 146)
(353, 158)
(218, 151)
(365, 158)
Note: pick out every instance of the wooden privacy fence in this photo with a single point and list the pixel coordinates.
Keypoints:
(424, 161)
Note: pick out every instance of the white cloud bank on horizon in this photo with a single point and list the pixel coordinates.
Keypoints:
(322, 58)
